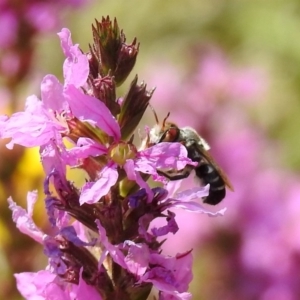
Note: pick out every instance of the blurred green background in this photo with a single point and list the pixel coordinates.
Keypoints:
(251, 33)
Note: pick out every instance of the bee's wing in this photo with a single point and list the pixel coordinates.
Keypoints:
(210, 160)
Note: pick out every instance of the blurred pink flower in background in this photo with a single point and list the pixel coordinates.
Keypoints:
(255, 246)
(21, 22)
(8, 21)
(42, 15)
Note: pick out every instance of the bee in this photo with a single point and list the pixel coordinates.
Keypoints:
(207, 169)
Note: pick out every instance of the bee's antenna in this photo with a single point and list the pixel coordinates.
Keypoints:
(165, 119)
(154, 112)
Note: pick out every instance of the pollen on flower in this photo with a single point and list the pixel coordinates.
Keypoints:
(121, 152)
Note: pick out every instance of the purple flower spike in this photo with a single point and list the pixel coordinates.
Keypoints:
(104, 242)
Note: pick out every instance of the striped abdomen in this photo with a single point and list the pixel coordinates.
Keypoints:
(209, 175)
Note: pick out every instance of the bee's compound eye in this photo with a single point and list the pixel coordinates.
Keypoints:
(172, 134)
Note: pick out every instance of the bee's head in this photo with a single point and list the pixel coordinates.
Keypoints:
(170, 132)
(165, 132)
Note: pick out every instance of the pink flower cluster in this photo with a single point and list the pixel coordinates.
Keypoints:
(115, 208)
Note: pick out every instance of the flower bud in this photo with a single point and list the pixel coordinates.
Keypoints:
(126, 61)
(104, 89)
(133, 107)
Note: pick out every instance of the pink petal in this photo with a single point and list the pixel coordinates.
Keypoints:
(137, 259)
(87, 108)
(34, 127)
(32, 286)
(183, 200)
(175, 296)
(171, 275)
(92, 192)
(132, 174)
(87, 147)
(52, 94)
(76, 66)
(84, 291)
(52, 158)
(193, 193)
(198, 208)
(165, 155)
(23, 219)
(116, 254)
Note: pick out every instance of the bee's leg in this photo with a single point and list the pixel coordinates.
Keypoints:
(176, 175)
